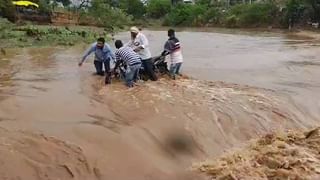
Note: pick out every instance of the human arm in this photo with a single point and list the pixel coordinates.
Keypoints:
(117, 61)
(88, 52)
(167, 49)
(143, 43)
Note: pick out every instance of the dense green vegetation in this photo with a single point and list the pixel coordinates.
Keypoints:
(244, 14)
(103, 14)
(7, 9)
(118, 14)
(228, 13)
(185, 15)
(240, 15)
(158, 8)
(251, 15)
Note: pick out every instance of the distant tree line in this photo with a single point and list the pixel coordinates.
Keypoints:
(229, 13)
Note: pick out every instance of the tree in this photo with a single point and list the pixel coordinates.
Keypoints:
(315, 4)
(204, 2)
(44, 5)
(84, 4)
(185, 14)
(65, 3)
(294, 11)
(175, 2)
(133, 7)
(158, 8)
(108, 16)
(7, 9)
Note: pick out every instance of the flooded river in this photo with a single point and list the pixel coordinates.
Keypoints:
(284, 62)
(57, 116)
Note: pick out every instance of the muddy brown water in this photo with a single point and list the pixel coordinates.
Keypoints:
(280, 61)
(159, 129)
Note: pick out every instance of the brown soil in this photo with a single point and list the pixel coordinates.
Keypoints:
(294, 155)
(26, 155)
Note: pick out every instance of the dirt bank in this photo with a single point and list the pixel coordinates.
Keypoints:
(27, 155)
(291, 155)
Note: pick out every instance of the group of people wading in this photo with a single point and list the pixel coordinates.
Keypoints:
(134, 56)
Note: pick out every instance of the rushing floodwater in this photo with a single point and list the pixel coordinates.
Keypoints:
(122, 132)
(283, 62)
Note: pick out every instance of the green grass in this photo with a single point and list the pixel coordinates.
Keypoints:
(36, 35)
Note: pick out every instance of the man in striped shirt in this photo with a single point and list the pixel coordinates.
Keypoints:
(132, 61)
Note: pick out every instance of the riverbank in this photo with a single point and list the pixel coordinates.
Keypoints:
(303, 33)
(12, 35)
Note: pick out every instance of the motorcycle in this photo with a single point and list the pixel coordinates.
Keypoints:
(160, 67)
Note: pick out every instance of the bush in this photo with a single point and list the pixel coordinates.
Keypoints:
(107, 16)
(204, 2)
(293, 12)
(7, 9)
(315, 9)
(251, 14)
(213, 16)
(5, 24)
(185, 14)
(44, 6)
(158, 8)
(133, 7)
(231, 21)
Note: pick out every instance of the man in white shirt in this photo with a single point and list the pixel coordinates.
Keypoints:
(140, 44)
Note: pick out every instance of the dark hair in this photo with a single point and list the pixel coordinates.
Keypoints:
(171, 32)
(118, 44)
(101, 39)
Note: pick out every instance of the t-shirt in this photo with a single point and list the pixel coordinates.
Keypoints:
(141, 40)
(102, 55)
(174, 48)
(127, 55)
